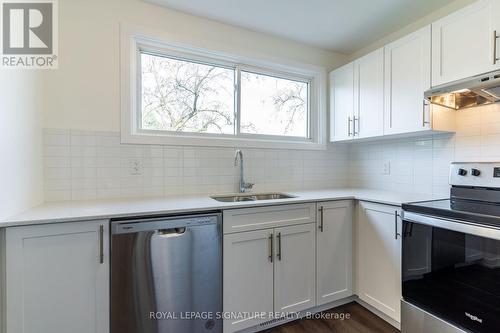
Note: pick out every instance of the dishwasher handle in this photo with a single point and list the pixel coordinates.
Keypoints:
(172, 232)
(167, 225)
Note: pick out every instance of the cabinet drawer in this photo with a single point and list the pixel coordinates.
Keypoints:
(246, 219)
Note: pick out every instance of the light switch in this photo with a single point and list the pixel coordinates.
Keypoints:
(135, 167)
(386, 168)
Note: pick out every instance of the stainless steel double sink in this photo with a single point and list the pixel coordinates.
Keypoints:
(252, 197)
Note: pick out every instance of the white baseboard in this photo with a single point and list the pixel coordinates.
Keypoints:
(378, 313)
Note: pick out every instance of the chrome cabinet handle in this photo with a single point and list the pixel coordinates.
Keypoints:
(279, 246)
(495, 37)
(356, 119)
(271, 247)
(101, 244)
(425, 107)
(321, 210)
(349, 121)
(396, 233)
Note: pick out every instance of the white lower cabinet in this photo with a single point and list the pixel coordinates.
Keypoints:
(248, 277)
(379, 257)
(286, 268)
(57, 275)
(334, 251)
(268, 271)
(57, 278)
(271, 270)
(294, 269)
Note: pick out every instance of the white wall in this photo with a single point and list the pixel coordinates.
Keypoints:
(421, 165)
(83, 157)
(20, 140)
(84, 92)
(424, 21)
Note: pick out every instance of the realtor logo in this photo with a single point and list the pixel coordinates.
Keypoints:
(29, 34)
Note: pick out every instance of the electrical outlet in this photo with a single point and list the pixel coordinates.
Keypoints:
(386, 168)
(135, 167)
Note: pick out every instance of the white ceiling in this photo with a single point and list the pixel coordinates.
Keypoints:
(341, 25)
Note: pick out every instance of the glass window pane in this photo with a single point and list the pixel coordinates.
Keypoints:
(185, 96)
(273, 106)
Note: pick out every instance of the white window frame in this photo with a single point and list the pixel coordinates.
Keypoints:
(133, 40)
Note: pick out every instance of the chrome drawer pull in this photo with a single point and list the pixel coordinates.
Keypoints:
(279, 245)
(271, 247)
(321, 210)
(101, 244)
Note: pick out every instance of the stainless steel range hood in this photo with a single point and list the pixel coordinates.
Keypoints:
(475, 91)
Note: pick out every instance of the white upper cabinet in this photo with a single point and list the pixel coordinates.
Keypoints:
(57, 278)
(369, 95)
(463, 42)
(357, 98)
(382, 93)
(342, 103)
(407, 77)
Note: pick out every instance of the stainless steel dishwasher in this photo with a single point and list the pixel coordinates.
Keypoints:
(166, 274)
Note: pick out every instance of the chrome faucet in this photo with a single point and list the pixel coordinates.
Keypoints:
(243, 186)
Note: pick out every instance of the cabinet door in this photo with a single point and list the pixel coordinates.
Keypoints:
(380, 258)
(342, 103)
(462, 43)
(294, 275)
(369, 92)
(247, 277)
(57, 278)
(334, 251)
(407, 77)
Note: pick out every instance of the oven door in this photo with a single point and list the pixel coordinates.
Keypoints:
(451, 269)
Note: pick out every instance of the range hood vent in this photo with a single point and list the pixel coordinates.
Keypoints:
(475, 91)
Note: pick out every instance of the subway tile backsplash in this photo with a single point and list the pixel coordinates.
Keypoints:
(421, 165)
(85, 165)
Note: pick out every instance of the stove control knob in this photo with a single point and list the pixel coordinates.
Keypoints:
(475, 172)
(462, 172)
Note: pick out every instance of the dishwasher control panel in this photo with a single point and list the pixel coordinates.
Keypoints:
(162, 223)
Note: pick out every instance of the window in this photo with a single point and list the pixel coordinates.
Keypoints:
(178, 95)
(183, 96)
(274, 106)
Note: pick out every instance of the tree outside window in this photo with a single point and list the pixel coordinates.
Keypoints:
(178, 95)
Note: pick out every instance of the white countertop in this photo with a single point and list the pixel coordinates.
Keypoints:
(69, 211)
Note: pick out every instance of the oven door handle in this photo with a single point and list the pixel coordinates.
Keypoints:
(396, 218)
(454, 225)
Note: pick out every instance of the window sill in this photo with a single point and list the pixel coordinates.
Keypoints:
(152, 139)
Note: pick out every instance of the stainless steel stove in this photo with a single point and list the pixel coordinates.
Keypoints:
(451, 256)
